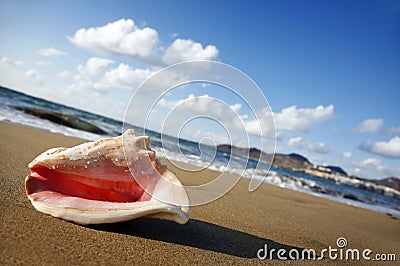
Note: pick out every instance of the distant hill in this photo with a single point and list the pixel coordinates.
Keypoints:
(392, 182)
(291, 161)
(299, 157)
(336, 169)
(252, 153)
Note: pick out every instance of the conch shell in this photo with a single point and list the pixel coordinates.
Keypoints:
(93, 183)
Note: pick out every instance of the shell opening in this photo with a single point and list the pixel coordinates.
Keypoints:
(88, 184)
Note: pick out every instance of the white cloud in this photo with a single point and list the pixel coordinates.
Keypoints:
(318, 147)
(389, 149)
(173, 104)
(105, 103)
(347, 154)
(51, 52)
(96, 74)
(221, 115)
(64, 74)
(204, 104)
(124, 37)
(94, 66)
(182, 50)
(236, 107)
(32, 74)
(198, 135)
(119, 37)
(290, 118)
(301, 119)
(174, 35)
(90, 74)
(14, 77)
(355, 171)
(371, 162)
(372, 168)
(394, 130)
(124, 77)
(372, 125)
(44, 63)
(6, 61)
(296, 142)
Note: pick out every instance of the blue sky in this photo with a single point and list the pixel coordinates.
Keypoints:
(330, 70)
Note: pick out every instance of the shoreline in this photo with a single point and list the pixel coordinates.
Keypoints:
(229, 230)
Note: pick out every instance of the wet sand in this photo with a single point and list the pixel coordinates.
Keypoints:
(229, 230)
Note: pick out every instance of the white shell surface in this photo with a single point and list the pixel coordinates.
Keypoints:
(102, 155)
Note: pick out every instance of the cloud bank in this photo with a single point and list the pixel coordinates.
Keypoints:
(372, 125)
(119, 37)
(390, 149)
(124, 37)
(184, 50)
(301, 119)
(51, 52)
(318, 147)
(296, 142)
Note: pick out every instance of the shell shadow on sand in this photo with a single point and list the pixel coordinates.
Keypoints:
(198, 234)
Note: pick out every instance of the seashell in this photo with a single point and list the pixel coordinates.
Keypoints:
(93, 183)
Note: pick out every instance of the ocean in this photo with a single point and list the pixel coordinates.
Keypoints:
(356, 193)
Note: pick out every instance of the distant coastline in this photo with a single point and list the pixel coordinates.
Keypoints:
(297, 162)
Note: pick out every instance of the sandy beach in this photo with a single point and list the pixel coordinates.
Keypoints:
(229, 230)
